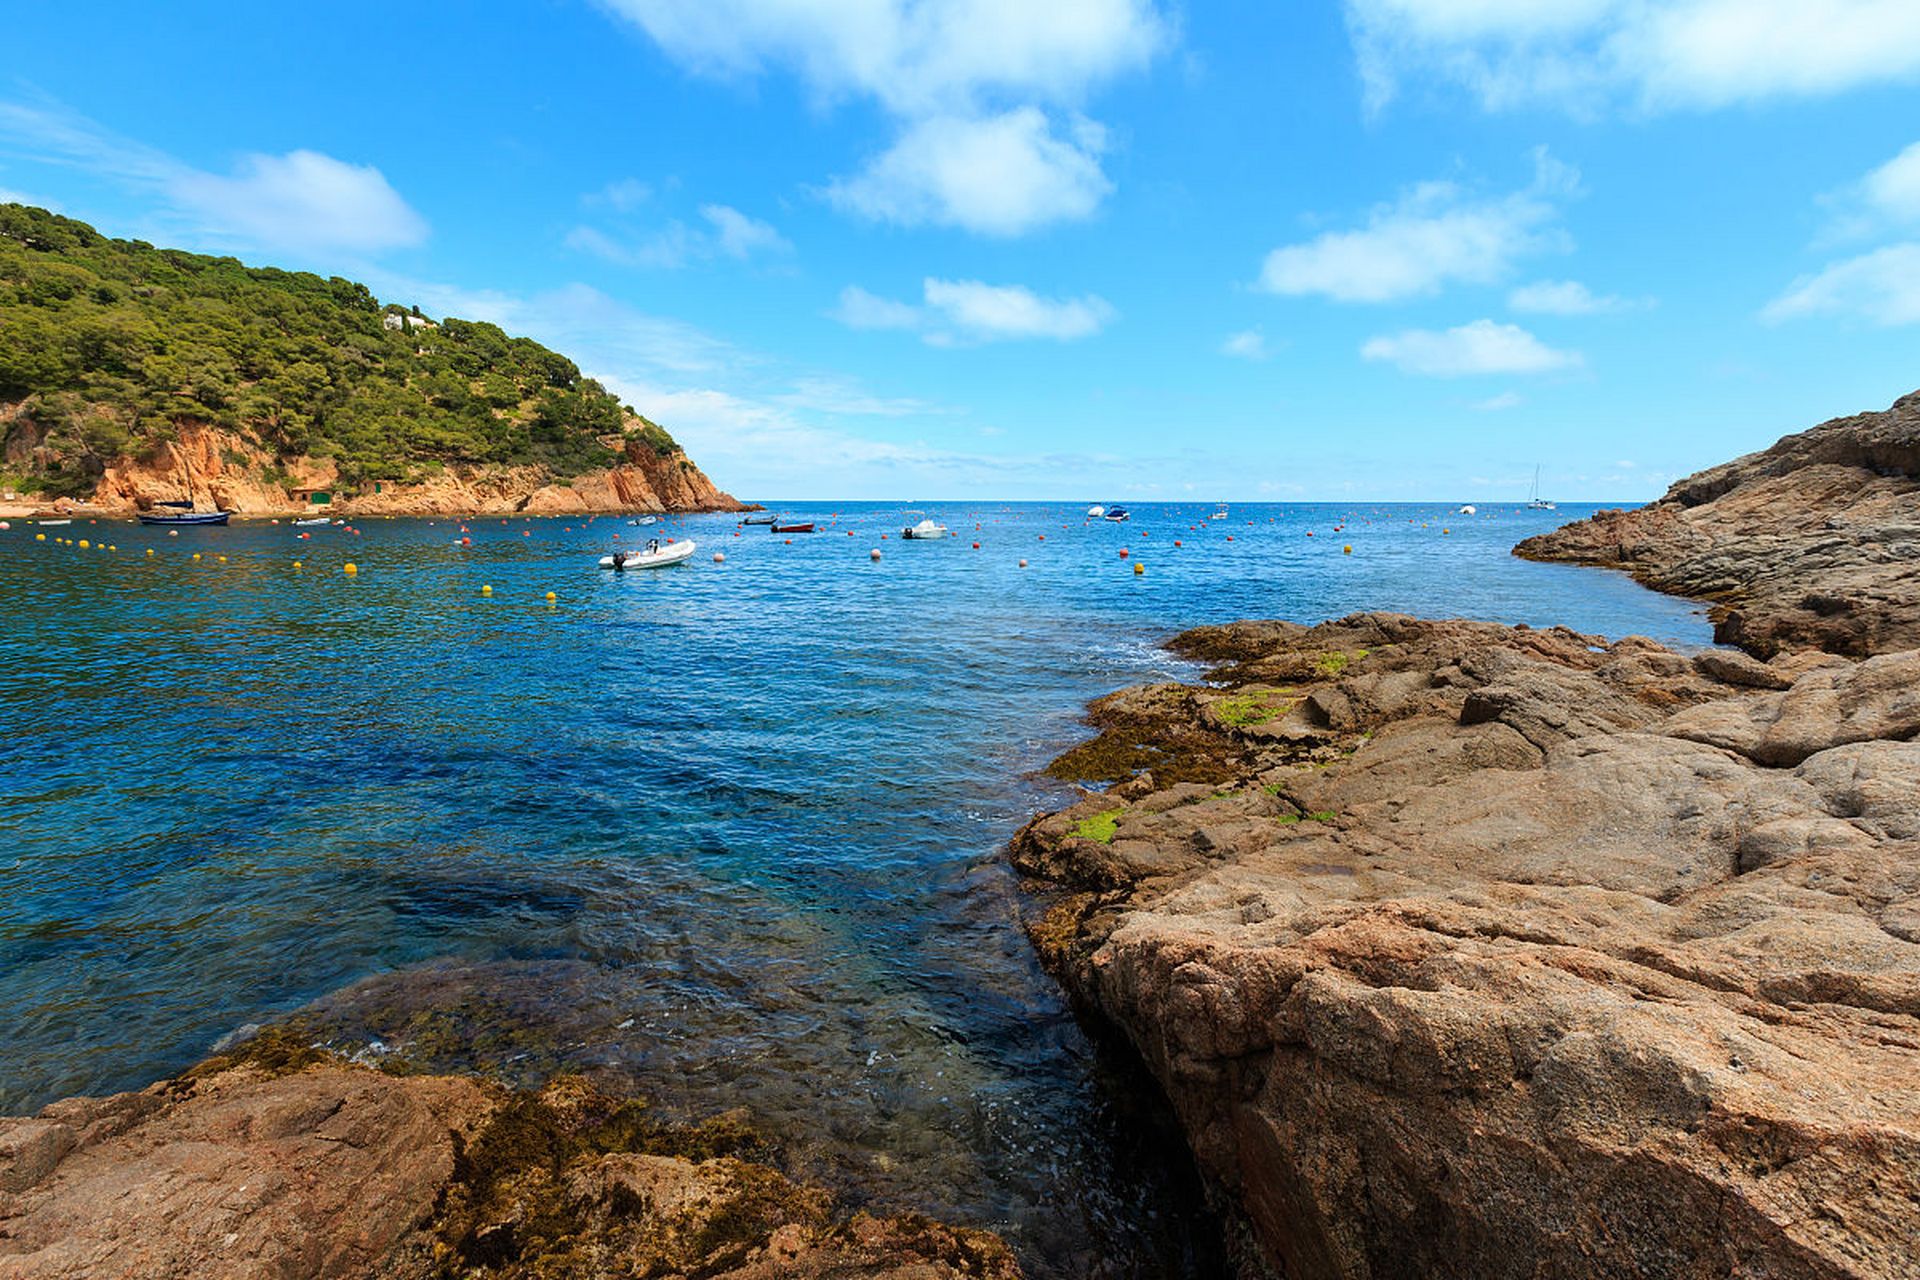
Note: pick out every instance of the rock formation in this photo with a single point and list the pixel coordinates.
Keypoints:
(1466, 951)
(1813, 542)
(281, 1161)
(225, 470)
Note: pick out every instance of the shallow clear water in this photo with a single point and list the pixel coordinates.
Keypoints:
(728, 829)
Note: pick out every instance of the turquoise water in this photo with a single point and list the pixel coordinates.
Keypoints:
(729, 831)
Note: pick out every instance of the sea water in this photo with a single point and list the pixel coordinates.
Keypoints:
(727, 832)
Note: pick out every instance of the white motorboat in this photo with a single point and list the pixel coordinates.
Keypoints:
(645, 520)
(1096, 511)
(925, 529)
(301, 524)
(1221, 514)
(1469, 510)
(655, 555)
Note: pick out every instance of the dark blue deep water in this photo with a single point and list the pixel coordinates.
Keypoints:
(728, 830)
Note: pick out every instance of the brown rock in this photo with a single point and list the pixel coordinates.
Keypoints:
(1813, 543)
(285, 1162)
(230, 471)
(1567, 959)
(320, 1173)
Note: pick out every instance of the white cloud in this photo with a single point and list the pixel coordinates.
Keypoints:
(915, 57)
(303, 201)
(1883, 286)
(1565, 298)
(1650, 54)
(843, 397)
(986, 312)
(1494, 404)
(982, 92)
(729, 234)
(964, 312)
(1886, 199)
(859, 309)
(1249, 344)
(1476, 348)
(623, 196)
(1893, 190)
(1432, 236)
(738, 236)
(1001, 175)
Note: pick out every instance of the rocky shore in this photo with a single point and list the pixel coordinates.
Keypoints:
(224, 470)
(1813, 543)
(282, 1160)
(1464, 950)
(1468, 951)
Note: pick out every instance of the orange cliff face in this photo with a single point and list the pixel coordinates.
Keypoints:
(224, 469)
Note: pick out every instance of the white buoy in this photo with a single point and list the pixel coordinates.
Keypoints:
(874, 554)
(719, 558)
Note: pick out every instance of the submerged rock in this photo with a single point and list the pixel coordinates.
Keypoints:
(1813, 543)
(281, 1161)
(1538, 956)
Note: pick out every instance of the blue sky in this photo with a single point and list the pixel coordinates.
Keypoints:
(1095, 249)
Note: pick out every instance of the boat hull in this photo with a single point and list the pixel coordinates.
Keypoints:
(791, 528)
(675, 554)
(186, 518)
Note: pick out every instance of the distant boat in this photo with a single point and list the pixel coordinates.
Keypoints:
(925, 530)
(765, 517)
(46, 524)
(1536, 502)
(792, 528)
(298, 524)
(1469, 510)
(1117, 514)
(644, 520)
(654, 556)
(1221, 514)
(1095, 511)
(178, 518)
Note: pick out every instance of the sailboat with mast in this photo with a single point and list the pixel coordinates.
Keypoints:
(1536, 502)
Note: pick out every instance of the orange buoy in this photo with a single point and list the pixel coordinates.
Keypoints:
(1123, 553)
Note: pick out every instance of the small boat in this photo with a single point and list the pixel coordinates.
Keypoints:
(1469, 510)
(653, 556)
(1221, 514)
(48, 524)
(1095, 511)
(301, 524)
(1117, 514)
(644, 520)
(183, 518)
(926, 529)
(1536, 502)
(764, 517)
(791, 528)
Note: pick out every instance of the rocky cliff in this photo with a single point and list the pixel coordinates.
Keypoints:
(1814, 542)
(281, 1161)
(1465, 951)
(224, 469)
